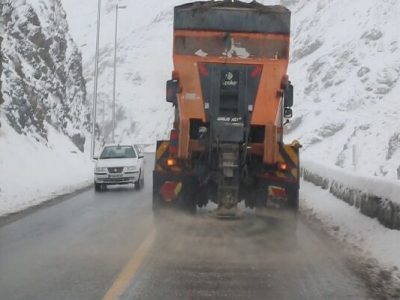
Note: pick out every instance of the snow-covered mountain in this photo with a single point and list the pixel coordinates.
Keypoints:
(345, 66)
(42, 72)
(144, 64)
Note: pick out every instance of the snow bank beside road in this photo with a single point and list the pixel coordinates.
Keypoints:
(31, 173)
(372, 240)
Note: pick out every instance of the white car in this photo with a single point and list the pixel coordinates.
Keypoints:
(119, 164)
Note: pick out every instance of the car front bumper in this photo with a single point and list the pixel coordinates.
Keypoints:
(122, 178)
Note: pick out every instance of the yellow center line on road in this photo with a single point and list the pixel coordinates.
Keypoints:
(127, 274)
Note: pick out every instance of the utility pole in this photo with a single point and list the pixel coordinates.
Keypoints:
(95, 80)
(117, 7)
(354, 157)
(104, 121)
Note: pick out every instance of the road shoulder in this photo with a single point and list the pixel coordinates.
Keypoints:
(12, 217)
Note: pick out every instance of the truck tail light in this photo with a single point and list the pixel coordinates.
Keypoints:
(283, 166)
(171, 162)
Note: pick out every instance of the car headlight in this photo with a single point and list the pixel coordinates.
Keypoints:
(100, 169)
(130, 168)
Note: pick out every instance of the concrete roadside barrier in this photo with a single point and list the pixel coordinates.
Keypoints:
(373, 197)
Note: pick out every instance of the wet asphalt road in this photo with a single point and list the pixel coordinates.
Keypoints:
(77, 249)
(254, 257)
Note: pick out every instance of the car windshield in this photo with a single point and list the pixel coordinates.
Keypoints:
(118, 152)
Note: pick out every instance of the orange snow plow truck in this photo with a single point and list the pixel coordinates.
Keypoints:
(232, 98)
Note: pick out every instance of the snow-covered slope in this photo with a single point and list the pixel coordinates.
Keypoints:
(44, 117)
(345, 67)
(32, 172)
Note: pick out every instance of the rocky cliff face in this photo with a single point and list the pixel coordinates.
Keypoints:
(42, 71)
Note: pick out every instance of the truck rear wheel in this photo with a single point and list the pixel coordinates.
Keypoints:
(293, 198)
(189, 204)
(260, 200)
